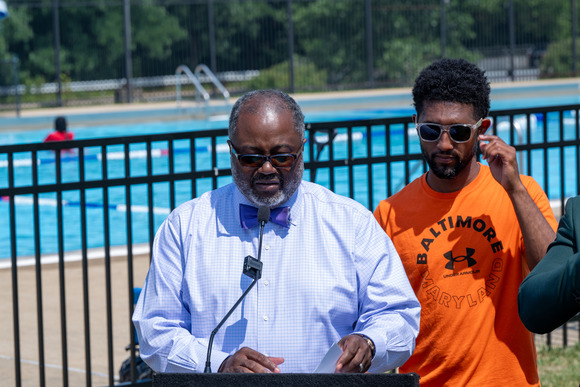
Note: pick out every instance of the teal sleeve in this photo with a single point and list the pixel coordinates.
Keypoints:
(550, 295)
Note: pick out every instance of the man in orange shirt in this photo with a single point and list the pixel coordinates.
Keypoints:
(467, 234)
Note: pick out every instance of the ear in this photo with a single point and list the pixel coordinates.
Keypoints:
(231, 146)
(414, 118)
(485, 125)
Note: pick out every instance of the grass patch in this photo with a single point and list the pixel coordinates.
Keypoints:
(559, 367)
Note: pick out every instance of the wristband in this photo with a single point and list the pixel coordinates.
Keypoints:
(370, 343)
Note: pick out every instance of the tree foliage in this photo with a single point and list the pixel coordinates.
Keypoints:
(557, 60)
(330, 37)
(307, 76)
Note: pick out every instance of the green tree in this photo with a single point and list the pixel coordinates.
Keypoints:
(307, 76)
(250, 34)
(155, 31)
(16, 30)
(331, 35)
(253, 35)
(558, 60)
(91, 36)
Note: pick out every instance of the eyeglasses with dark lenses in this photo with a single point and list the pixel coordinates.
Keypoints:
(282, 160)
(457, 132)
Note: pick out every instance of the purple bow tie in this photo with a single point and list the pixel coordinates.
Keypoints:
(249, 216)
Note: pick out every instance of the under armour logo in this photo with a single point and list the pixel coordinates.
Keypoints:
(467, 257)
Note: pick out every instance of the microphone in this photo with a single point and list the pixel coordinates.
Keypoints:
(263, 218)
(253, 269)
(263, 215)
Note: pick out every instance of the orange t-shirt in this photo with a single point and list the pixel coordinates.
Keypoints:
(464, 255)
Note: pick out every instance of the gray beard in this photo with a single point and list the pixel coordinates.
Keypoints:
(288, 187)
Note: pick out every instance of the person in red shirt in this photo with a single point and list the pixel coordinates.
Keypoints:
(60, 133)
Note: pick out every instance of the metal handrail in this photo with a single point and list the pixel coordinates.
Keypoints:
(199, 89)
(203, 68)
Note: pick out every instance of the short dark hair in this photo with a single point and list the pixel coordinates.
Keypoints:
(250, 101)
(60, 124)
(453, 80)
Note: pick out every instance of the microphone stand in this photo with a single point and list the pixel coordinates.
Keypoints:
(253, 269)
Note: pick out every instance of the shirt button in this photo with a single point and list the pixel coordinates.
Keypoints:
(266, 283)
(265, 318)
(267, 247)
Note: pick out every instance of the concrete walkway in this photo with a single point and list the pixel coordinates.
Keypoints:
(75, 321)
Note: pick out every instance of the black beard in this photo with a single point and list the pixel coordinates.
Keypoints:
(448, 172)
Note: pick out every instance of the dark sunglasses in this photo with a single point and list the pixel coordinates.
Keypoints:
(282, 160)
(457, 132)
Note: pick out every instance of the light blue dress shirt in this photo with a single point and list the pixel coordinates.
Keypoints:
(333, 272)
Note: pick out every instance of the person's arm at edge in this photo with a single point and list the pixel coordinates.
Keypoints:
(538, 228)
(549, 296)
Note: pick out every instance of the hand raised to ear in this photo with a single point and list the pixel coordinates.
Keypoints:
(502, 160)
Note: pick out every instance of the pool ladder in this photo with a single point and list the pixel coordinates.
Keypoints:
(199, 89)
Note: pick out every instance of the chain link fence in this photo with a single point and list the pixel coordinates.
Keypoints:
(75, 52)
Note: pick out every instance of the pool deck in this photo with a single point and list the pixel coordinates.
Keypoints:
(75, 320)
(31, 119)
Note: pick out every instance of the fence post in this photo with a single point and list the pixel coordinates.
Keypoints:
(128, 61)
(512, 31)
(211, 26)
(574, 33)
(369, 41)
(16, 81)
(57, 67)
(290, 45)
(443, 27)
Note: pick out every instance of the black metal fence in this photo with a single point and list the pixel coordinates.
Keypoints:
(106, 197)
(78, 52)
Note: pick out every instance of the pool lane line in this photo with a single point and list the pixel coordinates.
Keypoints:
(155, 153)
(67, 203)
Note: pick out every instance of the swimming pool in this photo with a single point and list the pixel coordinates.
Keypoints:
(322, 107)
(139, 210)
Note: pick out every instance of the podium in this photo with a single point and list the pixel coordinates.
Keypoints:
(302, 380)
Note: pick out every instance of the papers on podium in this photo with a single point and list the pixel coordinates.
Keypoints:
(328, 363)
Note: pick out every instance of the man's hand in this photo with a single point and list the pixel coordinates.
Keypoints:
(536, 230)
(502, 160)
(356, 355)
(247, 360)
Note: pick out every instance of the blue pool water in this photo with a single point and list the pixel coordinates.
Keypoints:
(139, 211)
(342, 109)
(157, 127)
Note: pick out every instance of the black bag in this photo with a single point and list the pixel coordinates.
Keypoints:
(142, 370)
